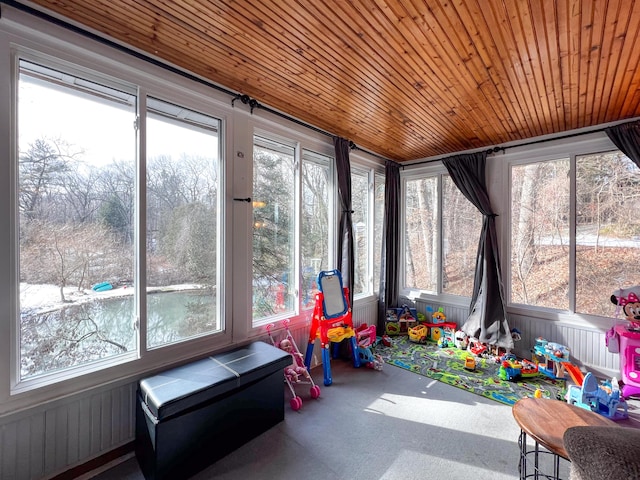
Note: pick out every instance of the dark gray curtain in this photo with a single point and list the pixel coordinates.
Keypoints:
(389, 290)
(627, 138)
(487, 319)
(345, 238)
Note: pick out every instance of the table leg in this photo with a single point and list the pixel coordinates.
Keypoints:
(537, 454)
(522, 467)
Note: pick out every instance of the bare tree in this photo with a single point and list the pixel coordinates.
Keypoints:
(42, 170)
(67, 254)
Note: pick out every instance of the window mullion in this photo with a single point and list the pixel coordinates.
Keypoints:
(572, 232)
(141, 225)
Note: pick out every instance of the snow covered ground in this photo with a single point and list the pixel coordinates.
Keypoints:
(43, 298)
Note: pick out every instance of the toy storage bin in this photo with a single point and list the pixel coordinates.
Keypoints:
(193, 415)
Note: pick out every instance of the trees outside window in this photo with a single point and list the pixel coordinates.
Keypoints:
(461, 227)
(76, 211)
(316, 247)
(442, 230)
(540, 234)
(75, 217)
(361, 234)
(603, 234)
(378, 205)
(182, 219)
(274, 229)
(607, 229)
(421, 238)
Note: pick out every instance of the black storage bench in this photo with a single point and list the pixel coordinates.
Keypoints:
(193, 415)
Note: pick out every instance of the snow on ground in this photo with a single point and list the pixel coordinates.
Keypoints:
(46, 297)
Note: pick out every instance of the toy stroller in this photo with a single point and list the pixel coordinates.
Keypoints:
(297, 372)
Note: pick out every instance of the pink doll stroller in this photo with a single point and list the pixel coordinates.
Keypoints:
(297, 372)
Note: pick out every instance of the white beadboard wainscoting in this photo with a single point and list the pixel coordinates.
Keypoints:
(586, 343)
(47, 440)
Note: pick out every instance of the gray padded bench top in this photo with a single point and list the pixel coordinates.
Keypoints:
(182, 388)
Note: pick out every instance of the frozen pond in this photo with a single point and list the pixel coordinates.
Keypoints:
(76, 333)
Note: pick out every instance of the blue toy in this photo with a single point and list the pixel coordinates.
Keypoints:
(603, 398)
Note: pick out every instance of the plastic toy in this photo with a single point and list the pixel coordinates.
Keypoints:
(461, 340)
(512, 369)
(297, 372)
(625, 339)
(418, 334)
(407, 318)
(332, 321)
(391, 325)
(476, 347)
(440, 328)
(470, 363)
(556, 358)
(369, 359)
(439, 316)
(366, 337)
(604, 399)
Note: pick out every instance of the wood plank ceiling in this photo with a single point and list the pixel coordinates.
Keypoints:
(406, 79)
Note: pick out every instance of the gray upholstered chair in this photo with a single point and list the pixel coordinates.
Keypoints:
(603, 453)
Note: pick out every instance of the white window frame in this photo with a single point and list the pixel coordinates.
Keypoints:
(433, 170)
(55, 46)
(571, 148)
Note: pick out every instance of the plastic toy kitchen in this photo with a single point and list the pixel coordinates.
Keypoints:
(624, 338)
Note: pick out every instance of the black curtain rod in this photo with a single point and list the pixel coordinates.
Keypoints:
(129, 51)
(524, 144)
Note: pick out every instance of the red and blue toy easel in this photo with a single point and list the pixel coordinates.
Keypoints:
(331, 322)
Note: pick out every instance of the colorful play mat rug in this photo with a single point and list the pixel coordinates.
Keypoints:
(447, 365)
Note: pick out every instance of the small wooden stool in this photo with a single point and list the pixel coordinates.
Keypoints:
(545, 421)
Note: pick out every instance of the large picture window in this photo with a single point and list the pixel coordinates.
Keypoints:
(421, 238)
(360, 199)
(120, 251)
(461, 227)
(76, 213)
(78, 222)
(546, 233)
(607, 229)
(316, 247)
(540, 234)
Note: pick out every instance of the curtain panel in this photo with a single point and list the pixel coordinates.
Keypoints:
(389, 290)
(487, 319)
(626, 137)
(345, 234)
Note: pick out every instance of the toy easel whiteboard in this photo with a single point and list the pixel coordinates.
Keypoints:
(330, 284)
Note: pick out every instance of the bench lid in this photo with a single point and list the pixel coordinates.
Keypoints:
(181, 388)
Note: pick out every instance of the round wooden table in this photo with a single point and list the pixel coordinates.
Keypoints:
(545, 421)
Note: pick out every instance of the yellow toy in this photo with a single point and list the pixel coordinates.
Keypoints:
(418, 334)
(439, 316)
